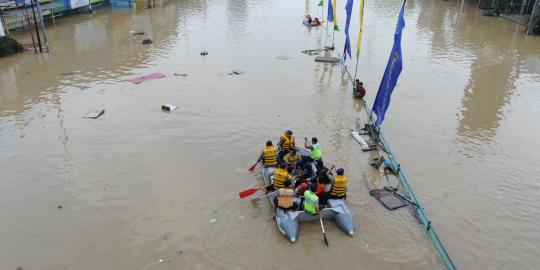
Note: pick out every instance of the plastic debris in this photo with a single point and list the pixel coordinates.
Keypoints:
(168, 107)
(153, 76)
(180, 74)
(94, 114)
(164, 260)
(212, 221)
(147, 41)
(236, 72)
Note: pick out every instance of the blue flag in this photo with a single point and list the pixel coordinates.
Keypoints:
(391, 73)
(347, 49)
(330, 11)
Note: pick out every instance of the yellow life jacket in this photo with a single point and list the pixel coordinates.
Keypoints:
(280, 175)
(339, 188)
(287, 143)
(269, 156)
(285, 199)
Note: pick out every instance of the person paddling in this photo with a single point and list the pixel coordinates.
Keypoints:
(286, 143)
(316, 152)
(280, 176)
(285, 198)
(358, 89)
(269, 155)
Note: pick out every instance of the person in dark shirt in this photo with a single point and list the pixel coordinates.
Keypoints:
(359, 91)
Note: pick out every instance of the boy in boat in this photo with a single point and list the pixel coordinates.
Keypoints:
(359, 91)
(269, 155)
(314, 147)
(281, 175)
(286, 143)
(285, 198)
(311, 201)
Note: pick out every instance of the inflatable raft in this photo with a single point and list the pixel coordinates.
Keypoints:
(287, 221)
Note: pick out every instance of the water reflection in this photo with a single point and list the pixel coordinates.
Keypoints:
(105, 35)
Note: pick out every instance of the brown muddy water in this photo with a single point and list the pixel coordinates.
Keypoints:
(138, 185)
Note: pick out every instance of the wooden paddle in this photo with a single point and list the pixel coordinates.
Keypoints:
(250, 191)
(323, 232)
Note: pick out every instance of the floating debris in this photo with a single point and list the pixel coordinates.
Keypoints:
(153, 76)
(147, 41)
(326, 59)
(94, 114)
(168, 107)
(164, 260)
(212, 221)
(140, 33)
(179, 252)
(204, 53)
(60, 206)
(236, 72)
(284, 57)
(19, 268)
(180, 74)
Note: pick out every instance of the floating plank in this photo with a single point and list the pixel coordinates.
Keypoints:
(153, 76)
(326, 59)
(168, 107)
(94, 114)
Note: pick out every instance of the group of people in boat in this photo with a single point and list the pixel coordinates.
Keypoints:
(311, 21)
(302, 182)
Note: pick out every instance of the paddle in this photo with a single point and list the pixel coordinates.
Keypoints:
(253, 167)
(323, 232)
(249, 191)
(259, 198)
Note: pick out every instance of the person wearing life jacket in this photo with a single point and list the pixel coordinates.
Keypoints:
(311, 200)
(317, 22)
(286, 143)
(292, 158)
(315, 149)
(269, 155)
(285, 198)
(339, 185)
(280, 175)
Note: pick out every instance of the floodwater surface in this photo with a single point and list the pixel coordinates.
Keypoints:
(139, 185)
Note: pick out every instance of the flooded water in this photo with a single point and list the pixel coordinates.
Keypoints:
(138, 185)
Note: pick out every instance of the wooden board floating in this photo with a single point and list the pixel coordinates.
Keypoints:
(94, 114)
(326, 59)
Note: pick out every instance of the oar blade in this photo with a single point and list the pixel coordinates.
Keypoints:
(325, 240)
(252, 168)
(247, 192)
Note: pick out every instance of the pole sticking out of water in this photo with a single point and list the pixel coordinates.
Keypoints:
(42, 26)
(36, 26)
(30, 27)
